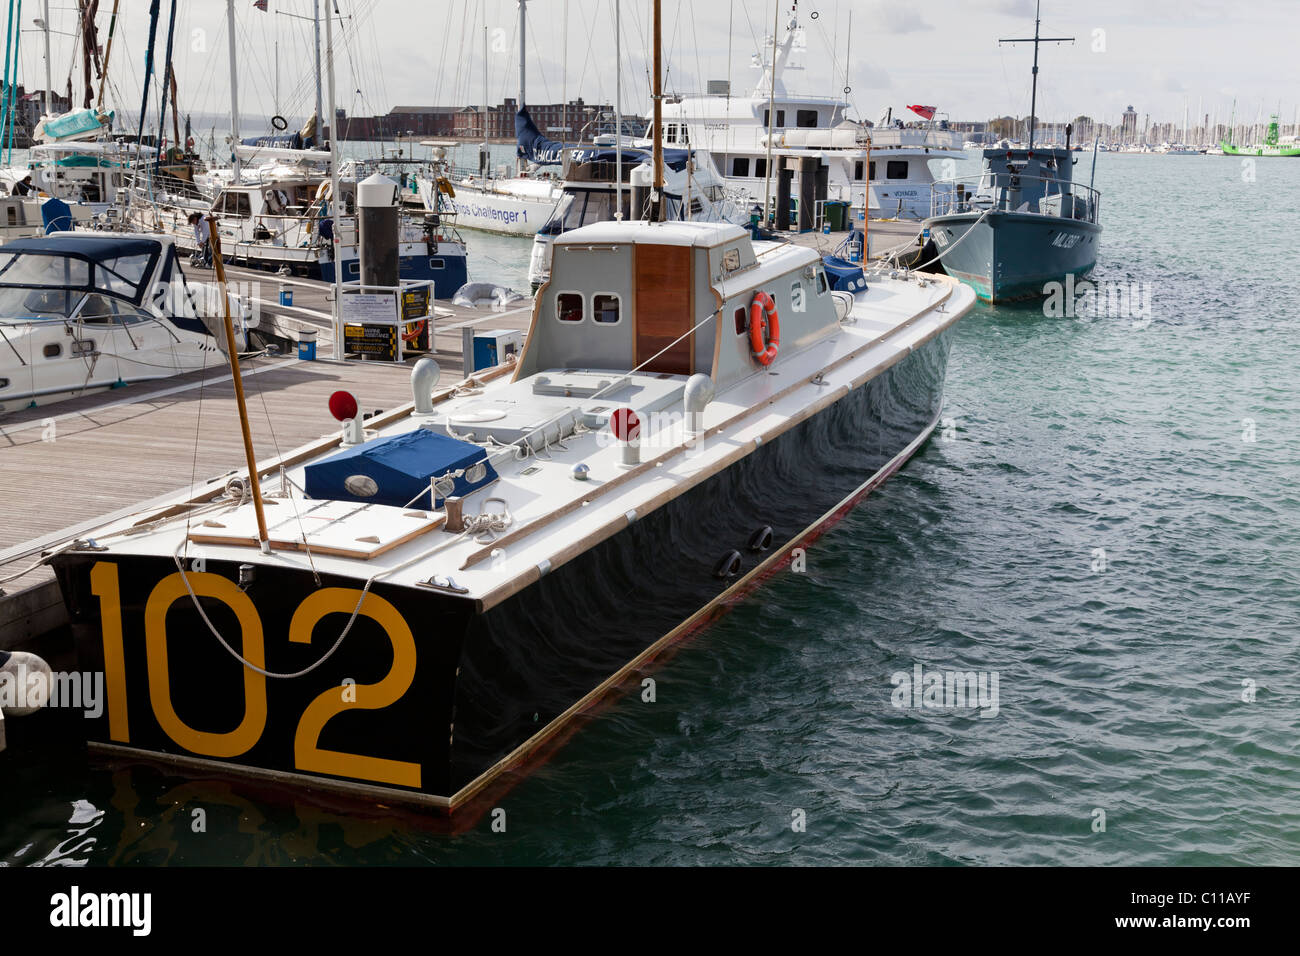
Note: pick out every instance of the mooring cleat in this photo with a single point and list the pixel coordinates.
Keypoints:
(25, 683)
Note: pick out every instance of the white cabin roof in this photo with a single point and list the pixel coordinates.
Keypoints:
(704, 234)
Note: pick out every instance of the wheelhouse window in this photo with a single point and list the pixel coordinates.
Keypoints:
(760, 167)
(796, 296)
(821, 282)
(237, 204)
(871, 169)
(740, 166)
(780, 118)
(742, 324)
(857, 170)
(605, 308)
(896, 169)
(804, 118)
(568, 307)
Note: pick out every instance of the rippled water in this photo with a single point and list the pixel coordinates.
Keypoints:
(1093, 525)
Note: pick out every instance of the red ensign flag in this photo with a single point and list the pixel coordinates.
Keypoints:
(925, 111)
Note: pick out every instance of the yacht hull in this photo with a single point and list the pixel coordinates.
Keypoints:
(447, 694)
(1006, 256)
(500, 212)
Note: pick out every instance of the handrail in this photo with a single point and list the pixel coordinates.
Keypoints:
(947, 199)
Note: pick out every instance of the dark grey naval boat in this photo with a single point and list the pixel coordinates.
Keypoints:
(1023, 222)
(434, 593)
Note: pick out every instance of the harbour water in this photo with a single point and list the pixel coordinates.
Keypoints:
(1106, 530)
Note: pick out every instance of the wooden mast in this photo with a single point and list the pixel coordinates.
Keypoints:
(233, 353)
(108, 48)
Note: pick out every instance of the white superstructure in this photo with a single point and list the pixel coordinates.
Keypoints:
(740, 134)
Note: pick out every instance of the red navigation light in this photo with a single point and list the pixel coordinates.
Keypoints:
(343, 405)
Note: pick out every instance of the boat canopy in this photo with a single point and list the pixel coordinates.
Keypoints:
(116, 266)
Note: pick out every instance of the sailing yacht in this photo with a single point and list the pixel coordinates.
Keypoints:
(491, 199)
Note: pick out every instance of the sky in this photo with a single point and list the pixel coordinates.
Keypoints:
(1158, 55)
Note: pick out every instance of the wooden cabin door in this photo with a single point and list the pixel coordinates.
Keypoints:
(663, 308)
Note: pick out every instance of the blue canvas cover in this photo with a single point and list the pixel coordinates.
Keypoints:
(844, 276)
(56, 214)
(402, 467)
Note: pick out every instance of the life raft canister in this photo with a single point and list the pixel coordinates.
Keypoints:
(764, 328)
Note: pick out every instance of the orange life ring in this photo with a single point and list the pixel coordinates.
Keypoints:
(419, 330)
(764, 328)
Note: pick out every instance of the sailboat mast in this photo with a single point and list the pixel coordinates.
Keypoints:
(618, 112)
(520, 163)
(657, 95)
(336, 195)
(108, 49)
(49, 82)
(848, 52)
(771, 117)
(483, 163)
(320, 117)
(234, 89)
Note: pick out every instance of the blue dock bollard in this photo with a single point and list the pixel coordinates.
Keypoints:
(286, 294)
(307, 345)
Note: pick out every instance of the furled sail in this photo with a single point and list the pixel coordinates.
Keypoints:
(536, 148)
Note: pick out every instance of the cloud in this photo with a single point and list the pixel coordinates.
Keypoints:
(888, 17)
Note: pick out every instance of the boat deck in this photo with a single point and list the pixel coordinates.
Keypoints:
(885, 238)
(74, 464)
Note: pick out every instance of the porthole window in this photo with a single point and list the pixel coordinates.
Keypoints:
(53, 350)
(568, 307)
(605, 308)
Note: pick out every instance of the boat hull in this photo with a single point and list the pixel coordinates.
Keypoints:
(448, 694)
(1006, 256)
(1267, 150)
(500, 212)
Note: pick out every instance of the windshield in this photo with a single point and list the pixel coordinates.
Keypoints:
(122, 275)
(20, 303)
(28, 269)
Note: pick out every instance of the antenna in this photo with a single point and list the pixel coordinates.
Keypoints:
(1035, 40)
